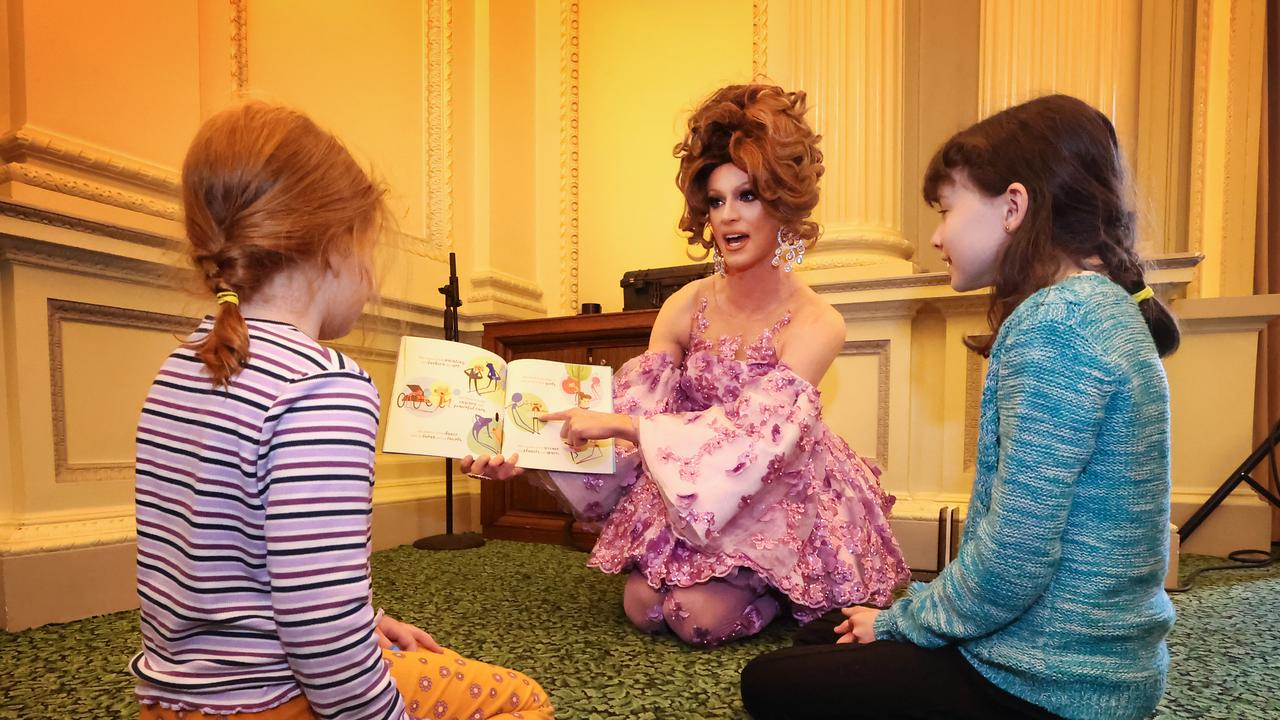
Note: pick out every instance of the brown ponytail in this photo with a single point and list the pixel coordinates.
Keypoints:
(226, 348)
(264, 189)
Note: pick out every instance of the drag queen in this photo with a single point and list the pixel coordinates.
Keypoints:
(733, 501)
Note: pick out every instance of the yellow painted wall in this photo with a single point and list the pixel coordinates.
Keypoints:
(470, 117)
(645, 67)
(359, 74)
(123, 76)
(511, 154)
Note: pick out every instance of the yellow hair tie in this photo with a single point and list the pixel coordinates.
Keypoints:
(1145, 293)
(228, 296)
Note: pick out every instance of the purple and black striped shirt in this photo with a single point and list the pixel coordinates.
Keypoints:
(253, 509)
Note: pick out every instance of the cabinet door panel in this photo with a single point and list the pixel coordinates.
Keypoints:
(557, 353)
(615, 356)
(517, 510)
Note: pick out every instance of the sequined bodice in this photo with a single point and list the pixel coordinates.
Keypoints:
(714, 372)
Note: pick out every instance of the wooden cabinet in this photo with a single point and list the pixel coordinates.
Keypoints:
(516, 510)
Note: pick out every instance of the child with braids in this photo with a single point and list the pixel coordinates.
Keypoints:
(255, 455)
(1054, 606)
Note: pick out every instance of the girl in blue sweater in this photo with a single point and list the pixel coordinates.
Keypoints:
(1054, 606)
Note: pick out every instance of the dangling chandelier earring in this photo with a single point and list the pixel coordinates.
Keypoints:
(717, 260)
(790, 250)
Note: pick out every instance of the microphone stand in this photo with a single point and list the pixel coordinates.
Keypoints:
(1244, 474)
(450, 541)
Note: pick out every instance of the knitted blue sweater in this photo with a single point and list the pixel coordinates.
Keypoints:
(1056, 594)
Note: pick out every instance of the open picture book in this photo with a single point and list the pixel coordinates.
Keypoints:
(453, 400)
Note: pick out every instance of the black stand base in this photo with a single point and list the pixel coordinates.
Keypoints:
(449, 541)
(1243, 474)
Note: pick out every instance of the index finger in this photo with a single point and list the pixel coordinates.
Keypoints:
(553, 417)
(427, 642)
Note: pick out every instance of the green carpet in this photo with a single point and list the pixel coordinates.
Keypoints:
(536, 608)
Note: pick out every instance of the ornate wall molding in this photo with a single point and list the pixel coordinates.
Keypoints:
(33, 156)
(437, 141)
(856, 247)
(569, 97)
(1161, 270)
(60, 258)
(854, 311)
(59, 312)
(759, 38)
(391, 315)
(32, 533)
(31, 142)
(87, 189)
(239, 47)
(497, 286)
(1199, 115)
(880, 349)
(94, 263)
(19, 211)
(896, 282)
(432, 315)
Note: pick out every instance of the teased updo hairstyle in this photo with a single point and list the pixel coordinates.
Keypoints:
(761, 129)
(264, 189)
(1066, 154)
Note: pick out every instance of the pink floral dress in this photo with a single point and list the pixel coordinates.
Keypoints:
(735, 468)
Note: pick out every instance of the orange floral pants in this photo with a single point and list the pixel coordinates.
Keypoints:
(435, 686)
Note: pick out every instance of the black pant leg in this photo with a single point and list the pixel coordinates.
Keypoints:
(821, 631)
(881, 680)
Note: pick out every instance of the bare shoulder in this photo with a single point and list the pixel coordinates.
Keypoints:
(671, 328)
(814, 338)
(821, 322)
(682, 301)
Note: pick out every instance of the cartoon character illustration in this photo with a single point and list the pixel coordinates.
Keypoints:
(486, 435)
(473, 373)
(524, 412)
(577, 382)
(589, 452)
(495, 377)
(482, 377)
(441, 394)
(415, 398)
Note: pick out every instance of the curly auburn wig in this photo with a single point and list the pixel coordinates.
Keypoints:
(760, 129)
